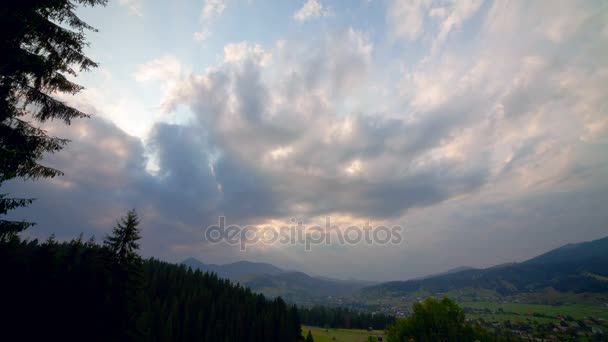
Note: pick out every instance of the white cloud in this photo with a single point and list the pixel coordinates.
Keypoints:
(456, 15)
(409, 20)
(133, 6)
(281, 152)
(166, 68)
(354, 168)
(438, 12)
(406, 18)
(310, 10)
(213, 9)
(238, 52)
(201, 35)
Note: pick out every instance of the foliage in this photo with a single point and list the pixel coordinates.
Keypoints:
(193, 306)
(78, 291)
(432, 320)
(125, 266)
(344, 318)
(41, 41)
(123, 241)
(309, 337)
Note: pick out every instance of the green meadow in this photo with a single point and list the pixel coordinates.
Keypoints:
(339, 335)
(519, 311)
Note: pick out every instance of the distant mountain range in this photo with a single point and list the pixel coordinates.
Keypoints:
(581, 267)
(273, 281)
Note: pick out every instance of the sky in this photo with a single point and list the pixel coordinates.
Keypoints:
(480, 127)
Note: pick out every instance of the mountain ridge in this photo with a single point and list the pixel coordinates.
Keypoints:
(570, 268)
(273, 281)
(235, 270)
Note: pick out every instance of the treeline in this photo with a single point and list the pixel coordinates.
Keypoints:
(195, 306)
(321, 316)
(86, 291)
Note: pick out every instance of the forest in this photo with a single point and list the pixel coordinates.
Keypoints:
(82, 290)
(339, 317)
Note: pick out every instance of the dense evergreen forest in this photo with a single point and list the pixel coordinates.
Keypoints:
(87, 291)
(322, 316)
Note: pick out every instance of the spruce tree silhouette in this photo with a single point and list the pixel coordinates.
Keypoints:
(42, 42)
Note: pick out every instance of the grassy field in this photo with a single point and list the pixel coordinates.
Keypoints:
(512, 318)
(577, 311)
(341, 335)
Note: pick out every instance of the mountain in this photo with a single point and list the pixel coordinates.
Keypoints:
(296, 286)
(578, 268)
(358, 282)
(450, 271)
(234, 271)
(573, 252)
(273, 281)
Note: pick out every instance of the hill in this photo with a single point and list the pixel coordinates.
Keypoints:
(577, 268)
(450, 271)
(272, 281)
(298, 286)
(234, 271)
(574, 252)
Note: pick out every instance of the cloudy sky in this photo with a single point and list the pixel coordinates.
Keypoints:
(479, 126)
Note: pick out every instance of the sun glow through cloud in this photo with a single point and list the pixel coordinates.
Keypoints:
(445, 117)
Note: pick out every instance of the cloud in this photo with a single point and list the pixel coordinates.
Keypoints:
(240, 52)
(406, 18)
(201, 35)
(247, 117)
(471, 139)
(165, 68)
(453, 18)
(105, 174)
(410, 20)
(100, 157)
(310, 10)
(212, 9)
(134, 7)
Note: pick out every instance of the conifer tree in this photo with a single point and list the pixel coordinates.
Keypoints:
(123, 242)
(294, 321)
(125, 266)
(309, 337)
(41, 42)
